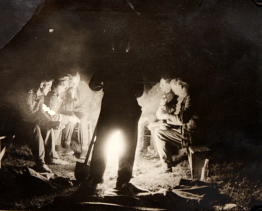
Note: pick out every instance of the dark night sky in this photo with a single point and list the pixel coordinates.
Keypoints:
(214, 45)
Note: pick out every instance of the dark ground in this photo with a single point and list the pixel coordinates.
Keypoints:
(233, 181)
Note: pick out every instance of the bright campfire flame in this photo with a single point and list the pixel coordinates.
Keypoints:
(113, 149)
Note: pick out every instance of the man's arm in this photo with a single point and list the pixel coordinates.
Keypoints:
(176, 117)
(183, 115)
(55, 103)
(33, 112)
(38, 114)
(84, 95)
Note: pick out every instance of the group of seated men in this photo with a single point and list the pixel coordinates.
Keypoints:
(50, 112)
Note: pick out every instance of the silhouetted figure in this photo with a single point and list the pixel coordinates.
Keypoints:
(119, 111)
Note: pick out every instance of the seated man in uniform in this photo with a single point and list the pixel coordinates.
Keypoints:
(178, 123)
(54, 101)
(76, 103)
(37, 123)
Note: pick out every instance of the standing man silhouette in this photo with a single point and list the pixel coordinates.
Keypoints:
(119, 111)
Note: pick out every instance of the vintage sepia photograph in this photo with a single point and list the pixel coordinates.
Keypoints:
(131, 105)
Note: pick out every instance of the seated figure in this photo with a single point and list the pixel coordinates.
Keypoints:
(36, 123)
(76, 103)
(54, 101)
(177, 120)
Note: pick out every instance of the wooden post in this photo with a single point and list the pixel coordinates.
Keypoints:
(2, 151)
(89, 130)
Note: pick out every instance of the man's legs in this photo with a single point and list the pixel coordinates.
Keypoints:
(98, 161)
(126, 160)
(57, 137)
(83, 137)
(50, 145)
(67, 135)
(37, 146)
(57, 140)
(38, 149)
(165, 139)
(142, 143)
(51, 156)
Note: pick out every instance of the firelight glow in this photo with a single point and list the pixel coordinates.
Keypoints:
(114, 148)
